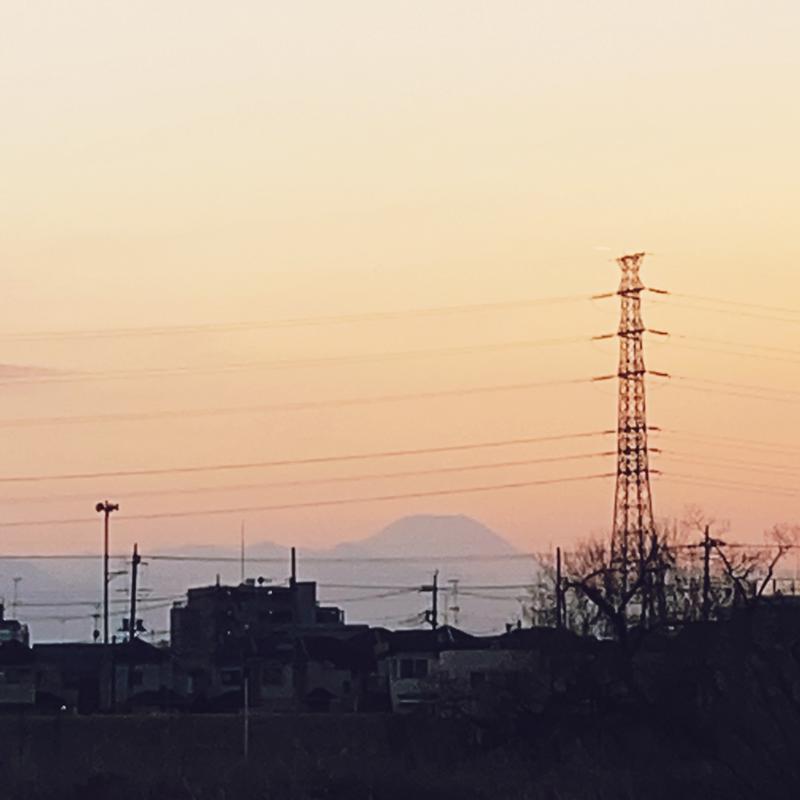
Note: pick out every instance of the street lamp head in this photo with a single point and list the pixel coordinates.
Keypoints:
(107, 507)
(99, 508)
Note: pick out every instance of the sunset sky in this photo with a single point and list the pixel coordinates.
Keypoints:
(204, 163)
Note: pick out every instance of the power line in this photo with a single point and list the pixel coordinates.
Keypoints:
(747, 391)
(322, 361)
(83, 617)
(287, 462)
(731, 441)
(715, 483)
(350, 559)
(729, 348)
(727, 462)
(416, 588)
(733, 343)
(207, 328)
(379, 592)
(309, 405)
(733, 385)
(493, 597)
(96, 603)
(54, 557)
(368, 587)
(728, 311)
(443, 558)
(314, 503)
(372, 597)
(317, 481)
(735, 303)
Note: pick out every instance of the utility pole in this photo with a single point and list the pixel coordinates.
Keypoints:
(135, 561)
(559, 591)
(432, 614)
(15, 598)
(246, 721)
(96, 624)
(708, 544)
(105, 508)
(454, 606)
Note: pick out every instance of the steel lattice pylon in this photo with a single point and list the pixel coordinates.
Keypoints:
(633, 503)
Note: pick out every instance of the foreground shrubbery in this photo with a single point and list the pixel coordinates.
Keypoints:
(711, 714)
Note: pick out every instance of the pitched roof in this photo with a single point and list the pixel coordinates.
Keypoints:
(76, 655)
(140, 652)
(430, 641)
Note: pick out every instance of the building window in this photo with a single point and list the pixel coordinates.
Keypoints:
(231, 677)
(414, 668)
(272, 675)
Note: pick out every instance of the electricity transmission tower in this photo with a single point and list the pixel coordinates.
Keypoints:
(633, 503)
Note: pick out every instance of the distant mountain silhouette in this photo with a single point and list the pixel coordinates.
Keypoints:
(428, 534)
(414, 547)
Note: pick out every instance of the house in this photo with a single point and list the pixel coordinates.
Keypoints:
(287, 672)
(335, 674)
(214, 615)
(11, 630)
(408, 663)
(144, 678)
(17, 676)
(74, 676)
(448, 671)
(275, 642)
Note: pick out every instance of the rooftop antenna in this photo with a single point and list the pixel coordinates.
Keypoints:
(241, 551)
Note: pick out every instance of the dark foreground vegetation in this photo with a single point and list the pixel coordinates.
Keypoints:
(712, 712)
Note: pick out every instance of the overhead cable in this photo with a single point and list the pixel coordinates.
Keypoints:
(303, 405)
(62, 498)
(211, 328)
(313, 503)
(287, 462)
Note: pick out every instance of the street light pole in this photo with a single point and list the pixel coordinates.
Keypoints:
(105, 508)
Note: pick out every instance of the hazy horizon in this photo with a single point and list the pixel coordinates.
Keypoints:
(183, 165)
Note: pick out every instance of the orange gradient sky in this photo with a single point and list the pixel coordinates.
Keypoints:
(188, 163)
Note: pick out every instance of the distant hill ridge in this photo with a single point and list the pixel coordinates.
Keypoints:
(451, 534)
(433, 534)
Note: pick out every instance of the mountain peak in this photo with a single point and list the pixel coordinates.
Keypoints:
(435, 534)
